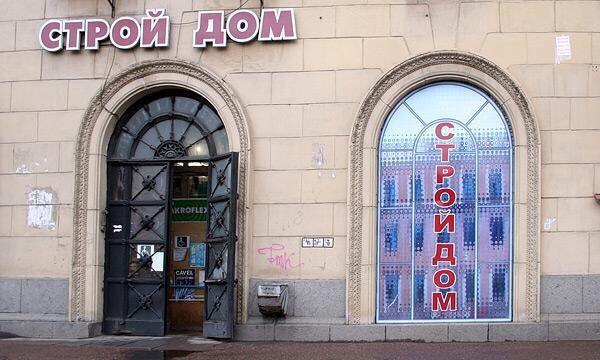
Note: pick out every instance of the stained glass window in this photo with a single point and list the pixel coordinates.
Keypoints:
(445, 188)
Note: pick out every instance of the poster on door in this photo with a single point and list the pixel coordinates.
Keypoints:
(197, 251)
(183, 279)
(189, 210)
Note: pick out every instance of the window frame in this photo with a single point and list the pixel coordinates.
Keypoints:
(151, 124)
(380, 196)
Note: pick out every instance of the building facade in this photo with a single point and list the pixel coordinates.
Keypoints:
(420, 170)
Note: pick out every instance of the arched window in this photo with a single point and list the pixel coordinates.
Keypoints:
(169, 125)
(445, 188)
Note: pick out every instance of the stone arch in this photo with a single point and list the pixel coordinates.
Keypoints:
(373, 111)
(98, 123)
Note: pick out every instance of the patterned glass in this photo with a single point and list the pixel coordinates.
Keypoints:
(170, 127)
(482, 181)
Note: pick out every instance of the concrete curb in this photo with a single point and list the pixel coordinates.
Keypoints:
(50, 329)
(441, 332)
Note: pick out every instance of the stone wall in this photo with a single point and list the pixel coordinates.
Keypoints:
(313, 301)
(570, 296)
(38, 307)
(31, 297)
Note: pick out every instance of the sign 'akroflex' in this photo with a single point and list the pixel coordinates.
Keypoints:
(126, 32)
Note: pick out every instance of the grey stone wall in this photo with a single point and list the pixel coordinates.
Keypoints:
(33, 296)
(569, 294)
(312, 300)
(39, 308)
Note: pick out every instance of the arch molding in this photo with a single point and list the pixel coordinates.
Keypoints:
(374, 109)
(98, 122)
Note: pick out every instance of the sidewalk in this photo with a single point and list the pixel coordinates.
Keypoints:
(186, 347)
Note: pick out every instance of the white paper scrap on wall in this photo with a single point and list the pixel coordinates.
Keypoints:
(39, 211)
(563, 48)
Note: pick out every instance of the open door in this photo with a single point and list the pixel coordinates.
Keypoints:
(136, 240)
(220, 247)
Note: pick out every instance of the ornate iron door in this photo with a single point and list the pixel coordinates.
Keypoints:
(220, 253)
(136, 241)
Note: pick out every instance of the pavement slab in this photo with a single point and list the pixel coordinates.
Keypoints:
(182, 347)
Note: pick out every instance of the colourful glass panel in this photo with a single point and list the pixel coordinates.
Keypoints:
(482, 181)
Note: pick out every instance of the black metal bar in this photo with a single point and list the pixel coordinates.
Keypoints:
(226, 297)
(136, 203)
(139, 281)
(134, 242)
(204, 159)
(167, 228)
(112, 4)
(233, 238)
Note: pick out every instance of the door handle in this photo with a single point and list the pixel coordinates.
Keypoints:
(103, 221)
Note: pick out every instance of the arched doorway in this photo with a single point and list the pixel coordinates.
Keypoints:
(170, 219)
(445, 208)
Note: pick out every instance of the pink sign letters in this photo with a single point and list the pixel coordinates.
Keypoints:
(153, 30)
(444, 220)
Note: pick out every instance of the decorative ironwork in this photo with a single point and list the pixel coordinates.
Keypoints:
(145, 262)
(169, 126)
(220, 242)
(217, 270)
(216, 302)
(170, 149)
(144, 301)
(148, 181)
(219, 221)
(147, 222)
(135, 286)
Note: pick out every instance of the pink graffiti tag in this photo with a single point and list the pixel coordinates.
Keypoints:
(277, 256)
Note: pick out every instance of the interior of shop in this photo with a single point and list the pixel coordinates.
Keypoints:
(187, 247)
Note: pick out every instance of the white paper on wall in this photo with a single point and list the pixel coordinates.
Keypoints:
(39, 211)
(563, 48)
(179, 254)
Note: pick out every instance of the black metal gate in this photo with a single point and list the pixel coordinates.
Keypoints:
(220, 248)
(137, 229)
(136, 242)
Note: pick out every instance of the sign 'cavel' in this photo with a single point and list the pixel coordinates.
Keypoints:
(126, 32)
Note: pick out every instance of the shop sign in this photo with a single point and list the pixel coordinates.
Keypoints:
(445, 197)
(152, 31)
(189, 210)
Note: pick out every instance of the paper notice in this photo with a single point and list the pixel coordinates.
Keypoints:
(563, 48)
(179, 254)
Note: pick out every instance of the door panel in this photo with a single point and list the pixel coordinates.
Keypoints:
(220, 239)
(137, 216)
(138, 212)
